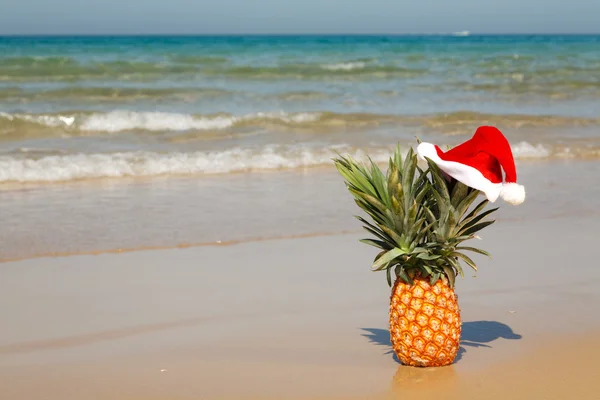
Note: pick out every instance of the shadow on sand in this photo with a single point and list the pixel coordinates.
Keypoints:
(474, 334)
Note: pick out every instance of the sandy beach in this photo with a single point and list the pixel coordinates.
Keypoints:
(172, 226)
(298, 318)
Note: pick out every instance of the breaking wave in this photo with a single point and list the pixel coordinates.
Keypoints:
(139, 164)
(30, 165)
(80, 123)
(15, 125)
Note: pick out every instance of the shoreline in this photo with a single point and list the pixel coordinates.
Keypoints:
(225, 243)
(218, 243)
(87, 218)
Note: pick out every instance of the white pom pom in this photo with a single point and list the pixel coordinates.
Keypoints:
(425, 149)
(513, 193)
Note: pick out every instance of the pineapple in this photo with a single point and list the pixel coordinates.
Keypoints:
(420, 218)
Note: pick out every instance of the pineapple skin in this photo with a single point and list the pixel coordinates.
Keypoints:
(425, 324)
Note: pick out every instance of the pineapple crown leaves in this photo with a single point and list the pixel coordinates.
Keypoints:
(418, 217)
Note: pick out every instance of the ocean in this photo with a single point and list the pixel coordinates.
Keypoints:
(84, 119)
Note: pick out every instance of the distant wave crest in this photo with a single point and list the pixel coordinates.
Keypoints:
(87, 123)
(347, 66)
(65, 69)
(123, 120)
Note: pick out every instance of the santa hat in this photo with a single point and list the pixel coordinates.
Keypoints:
(479, 162)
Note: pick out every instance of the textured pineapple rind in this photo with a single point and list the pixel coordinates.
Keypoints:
(425, 323)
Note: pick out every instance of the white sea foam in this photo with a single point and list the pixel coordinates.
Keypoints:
(119, 121)
(348, 66)
(65, 167)
(139, 164)
(527, 150)
(46, 120)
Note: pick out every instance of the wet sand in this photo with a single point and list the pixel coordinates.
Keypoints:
(139, 214)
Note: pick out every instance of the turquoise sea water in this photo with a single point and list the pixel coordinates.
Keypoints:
(90, 107)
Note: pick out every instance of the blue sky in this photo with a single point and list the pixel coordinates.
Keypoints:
(298, 16)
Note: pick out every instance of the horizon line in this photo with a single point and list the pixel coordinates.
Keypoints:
(455, 33)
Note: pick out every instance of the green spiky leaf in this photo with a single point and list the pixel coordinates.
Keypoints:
(377, 243)
(383, 261)
(475, 250)
(465, 258)
(449, 272)
(418, 217)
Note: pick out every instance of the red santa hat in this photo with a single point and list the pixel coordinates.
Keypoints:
(479, 162)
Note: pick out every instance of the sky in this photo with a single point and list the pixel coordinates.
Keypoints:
(297, 16)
